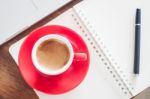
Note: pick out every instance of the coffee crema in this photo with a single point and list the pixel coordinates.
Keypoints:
(53, 54)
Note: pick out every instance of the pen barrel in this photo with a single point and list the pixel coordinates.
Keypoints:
(137, 49)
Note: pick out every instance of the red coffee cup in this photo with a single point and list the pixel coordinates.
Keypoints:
(56, 82)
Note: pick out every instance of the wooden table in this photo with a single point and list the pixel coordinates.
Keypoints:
(12, 85)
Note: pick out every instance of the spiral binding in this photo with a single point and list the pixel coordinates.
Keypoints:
(100, 49)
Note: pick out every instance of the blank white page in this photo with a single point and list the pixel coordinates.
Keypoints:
(112, 23)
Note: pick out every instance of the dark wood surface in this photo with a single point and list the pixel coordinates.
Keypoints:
(12, 85)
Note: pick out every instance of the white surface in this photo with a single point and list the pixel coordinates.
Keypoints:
(112, 22)
(99, 83)
(17, 15)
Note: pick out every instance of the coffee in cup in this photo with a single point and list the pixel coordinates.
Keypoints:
(53, 54)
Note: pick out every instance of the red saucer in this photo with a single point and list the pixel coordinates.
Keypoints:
(53, 84)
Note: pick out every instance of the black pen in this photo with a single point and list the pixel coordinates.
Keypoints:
(137, 42)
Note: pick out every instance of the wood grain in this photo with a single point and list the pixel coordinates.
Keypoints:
(12, 85)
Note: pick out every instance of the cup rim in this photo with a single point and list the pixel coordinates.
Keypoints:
(41, 68)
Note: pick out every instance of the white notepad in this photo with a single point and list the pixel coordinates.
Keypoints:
(102, 80)
(111, 23)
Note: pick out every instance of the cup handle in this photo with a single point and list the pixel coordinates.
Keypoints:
(80, 56)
